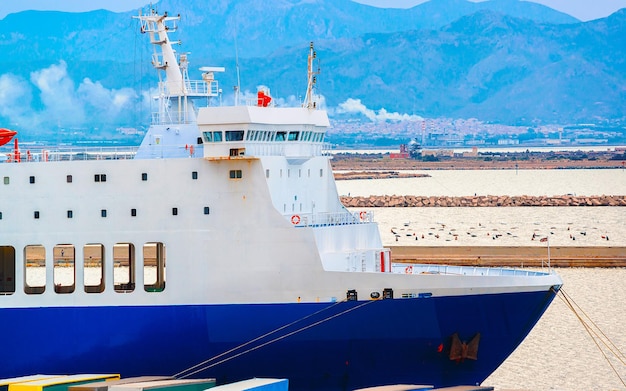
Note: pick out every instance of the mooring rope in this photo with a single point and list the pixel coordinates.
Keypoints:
(606, 341)
(206, 364)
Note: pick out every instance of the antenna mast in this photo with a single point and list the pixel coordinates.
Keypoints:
(308, 100)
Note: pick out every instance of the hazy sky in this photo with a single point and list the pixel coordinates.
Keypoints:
(581, 9)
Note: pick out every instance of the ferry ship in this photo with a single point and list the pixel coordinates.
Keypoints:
(219, 248)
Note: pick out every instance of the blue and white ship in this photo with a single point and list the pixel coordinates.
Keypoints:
(220, 248)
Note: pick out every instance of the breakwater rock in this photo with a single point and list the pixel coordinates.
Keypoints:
(391, 201)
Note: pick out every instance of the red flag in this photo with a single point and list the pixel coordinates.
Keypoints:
(544, 239)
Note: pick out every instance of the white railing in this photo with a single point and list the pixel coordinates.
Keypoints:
(329, 219)
(409, 268)
(33, 155)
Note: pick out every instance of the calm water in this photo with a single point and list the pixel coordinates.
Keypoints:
(558, 354)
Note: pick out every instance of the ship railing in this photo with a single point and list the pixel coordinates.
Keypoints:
(411, 268)
(193, 88)
(329, 219)
(171, 118)
(34, 155)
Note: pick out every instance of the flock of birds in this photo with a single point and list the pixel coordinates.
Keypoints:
(442, 232)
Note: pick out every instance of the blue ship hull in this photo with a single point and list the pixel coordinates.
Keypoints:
(317, 346)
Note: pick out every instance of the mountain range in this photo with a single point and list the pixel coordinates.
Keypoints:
(502, 61)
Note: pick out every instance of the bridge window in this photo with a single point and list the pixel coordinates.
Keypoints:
(34, 269)
(154, 267)
(294, 136)
(124, 267)
(212, 137)
(93, 259)
(7, 270)
(64, 271)
(234, 135)
(280, 136)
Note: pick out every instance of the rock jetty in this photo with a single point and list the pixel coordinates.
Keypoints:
(395, 201)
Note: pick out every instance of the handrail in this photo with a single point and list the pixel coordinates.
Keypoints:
(329, 219)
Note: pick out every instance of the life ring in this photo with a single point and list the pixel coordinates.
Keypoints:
(362, 215)
(408, 270)
(295, 219)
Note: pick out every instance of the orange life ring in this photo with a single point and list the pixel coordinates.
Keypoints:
(295, 219)
(362, 215)
(408, 270)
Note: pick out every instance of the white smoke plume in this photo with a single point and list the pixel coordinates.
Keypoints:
(355, 106)
(63, 103)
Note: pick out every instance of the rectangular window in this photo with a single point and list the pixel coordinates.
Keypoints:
(64, 275)
(70, 214)
(124, 267)
(175, 211)
(103, 213)
(32, 179)
(0, 215)
(36, 215)
(194, 175)
(34, 269)
(234, 135)
(321, 172)
(69, 179)
(6, 180)
(100, 178)
(206, 210)
(93, 260)
(267, 172)
(235, 174)
(133, 212)
(154, 267)
(7, 270)
(144, 176)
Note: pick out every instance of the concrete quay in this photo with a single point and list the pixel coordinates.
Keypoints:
(512, 256)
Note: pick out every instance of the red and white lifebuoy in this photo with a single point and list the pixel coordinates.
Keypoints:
(295, 219)
(362, 215)
(408, 270)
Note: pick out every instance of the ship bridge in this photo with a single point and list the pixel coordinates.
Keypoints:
(294, 132)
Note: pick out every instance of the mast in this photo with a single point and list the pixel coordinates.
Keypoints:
(173, 90)
(309, 103)
(176, 90)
